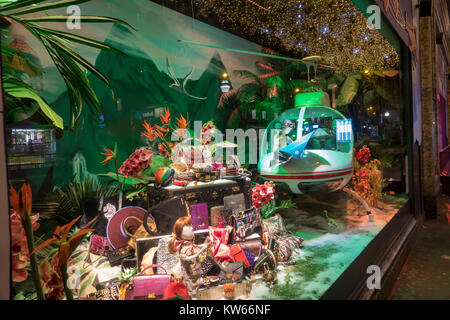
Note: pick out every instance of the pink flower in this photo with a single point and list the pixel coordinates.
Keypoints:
(263, 194)
(19, 246)
(52, 283)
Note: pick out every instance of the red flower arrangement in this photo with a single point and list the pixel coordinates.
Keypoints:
(136, 163)
(363, 155)
(263, 194)
(367, 179)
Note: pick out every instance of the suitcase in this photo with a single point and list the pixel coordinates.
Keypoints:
(211, 193)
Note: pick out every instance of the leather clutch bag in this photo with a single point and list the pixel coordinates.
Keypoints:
(115, 257)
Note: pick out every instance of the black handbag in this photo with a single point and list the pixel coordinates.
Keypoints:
(268, 259)
(115, 257)
(165, 215)
(210, 267)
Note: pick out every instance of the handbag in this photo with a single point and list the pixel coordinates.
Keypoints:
(115, 257)
(253, 246)
(215, 215)
(267, 259)
(99, 245)
(219, 239)
(238, 255)
(164, 258)
(128, 263)
(165, 214)
(148, 287)
(210, 267)
(245, 223)
(235, 202)
(275, 227)
(286, 247)
(226, 214)
(199, 215)
(140, 233)
(231, 271)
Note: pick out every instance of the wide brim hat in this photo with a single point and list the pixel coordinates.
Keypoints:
(118, 232)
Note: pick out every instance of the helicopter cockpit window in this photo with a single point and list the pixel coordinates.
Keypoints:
(312, 128)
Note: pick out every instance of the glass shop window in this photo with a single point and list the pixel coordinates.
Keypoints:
(322, 115)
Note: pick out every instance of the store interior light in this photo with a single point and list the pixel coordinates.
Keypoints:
(225, 86)
(387, 114)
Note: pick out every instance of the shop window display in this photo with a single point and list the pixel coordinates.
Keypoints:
(143, 197)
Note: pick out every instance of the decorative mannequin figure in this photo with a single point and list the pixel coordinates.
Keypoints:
(183, 242)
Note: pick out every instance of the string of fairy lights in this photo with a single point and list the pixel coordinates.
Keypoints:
(333, 29)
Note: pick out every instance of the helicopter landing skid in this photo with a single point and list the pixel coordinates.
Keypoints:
(359, 198)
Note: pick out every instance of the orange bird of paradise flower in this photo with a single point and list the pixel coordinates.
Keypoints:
(165, 117)
(66, 246)
(182, 123)
(150, 133)
(24, 207)
(109, 154)
(161, 132)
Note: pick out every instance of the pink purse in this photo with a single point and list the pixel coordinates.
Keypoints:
(199, 215)
(99, 245)
(148, 287)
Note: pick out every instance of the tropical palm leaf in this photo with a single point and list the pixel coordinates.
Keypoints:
(22, 91)
(269, 75)
(85, 19)
(31, 6)
(275, 81)
(57, 43)
(264, 66)
(348, 91)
